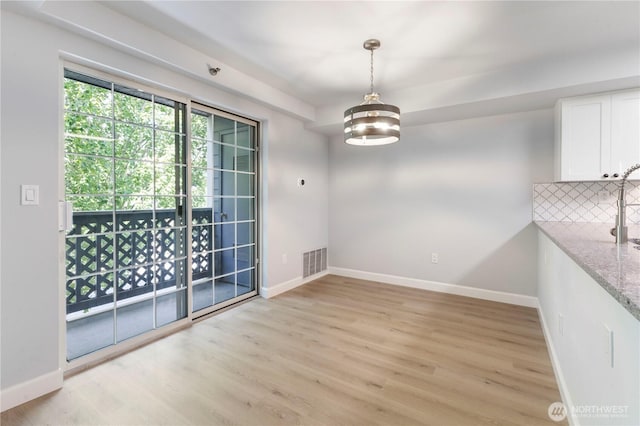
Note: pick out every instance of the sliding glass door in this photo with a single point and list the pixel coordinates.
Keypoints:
(223, 207)
(156, 186)
(125, 173)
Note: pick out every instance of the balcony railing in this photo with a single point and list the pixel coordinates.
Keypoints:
(146, 256)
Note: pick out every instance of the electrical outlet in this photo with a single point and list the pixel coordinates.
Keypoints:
(285, 259)
(608, 345)
(434, 258)
(561, 324)
(603, 197)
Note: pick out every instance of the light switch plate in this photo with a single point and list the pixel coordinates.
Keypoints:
(29, 195)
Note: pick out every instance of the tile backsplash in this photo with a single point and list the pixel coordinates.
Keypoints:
(583, 201)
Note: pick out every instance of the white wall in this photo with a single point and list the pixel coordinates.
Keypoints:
(296, 220)
(461, 189)
(581, 360)
(29, 265)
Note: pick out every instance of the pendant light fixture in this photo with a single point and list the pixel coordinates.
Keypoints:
(372, 122)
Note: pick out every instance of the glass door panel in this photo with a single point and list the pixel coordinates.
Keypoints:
(125, 173)
(224, 191)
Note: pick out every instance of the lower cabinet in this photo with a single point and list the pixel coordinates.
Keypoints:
(594, 342)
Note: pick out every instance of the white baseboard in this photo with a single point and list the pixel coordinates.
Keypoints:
(271, 291)
(557, 371)
(31, 389)
(478, 293)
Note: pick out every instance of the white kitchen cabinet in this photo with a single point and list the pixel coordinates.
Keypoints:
(598, 136)
(625, 130)
(594, 342)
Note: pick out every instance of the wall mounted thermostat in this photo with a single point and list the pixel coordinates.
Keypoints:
(301, 182)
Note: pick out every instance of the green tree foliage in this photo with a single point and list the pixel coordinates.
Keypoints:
(199, 149)
(123, 148)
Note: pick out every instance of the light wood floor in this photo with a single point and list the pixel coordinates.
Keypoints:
(337, 351)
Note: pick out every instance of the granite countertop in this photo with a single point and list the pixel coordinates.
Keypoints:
(615, 268)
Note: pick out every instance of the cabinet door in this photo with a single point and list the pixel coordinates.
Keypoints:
(625, 130)
(585, 138)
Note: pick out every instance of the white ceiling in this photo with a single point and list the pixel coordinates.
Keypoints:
(439, 60)
(313, 49)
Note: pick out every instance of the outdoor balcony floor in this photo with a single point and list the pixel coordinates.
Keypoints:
(95, 332)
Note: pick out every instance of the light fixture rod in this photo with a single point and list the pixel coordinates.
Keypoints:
(371, 71)
(371, 45)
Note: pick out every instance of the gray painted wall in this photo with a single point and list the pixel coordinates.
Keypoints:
(30, 264)
(461, 189)
(298, 216)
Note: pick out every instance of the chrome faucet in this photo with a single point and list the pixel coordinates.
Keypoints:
(620, 230)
